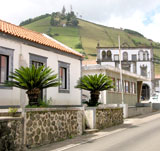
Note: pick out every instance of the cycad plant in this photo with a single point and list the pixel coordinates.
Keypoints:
(34, 80)
(94, 84)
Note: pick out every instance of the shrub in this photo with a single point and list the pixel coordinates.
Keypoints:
(34, 80)
(94, 84)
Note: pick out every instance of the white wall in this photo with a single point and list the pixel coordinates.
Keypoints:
(21, 57)
(112, 97)
(102, 97)
(148, 64)
(108, 63)
(139, 63)
(10, 96)
(129, 51)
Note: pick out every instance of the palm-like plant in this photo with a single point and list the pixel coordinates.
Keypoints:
(94, 84)
(33, 80)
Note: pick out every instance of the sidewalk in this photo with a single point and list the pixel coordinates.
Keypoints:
(69, 143)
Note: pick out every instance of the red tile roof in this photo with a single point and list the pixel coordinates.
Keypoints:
(33, 36)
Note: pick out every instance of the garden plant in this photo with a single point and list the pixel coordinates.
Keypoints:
(94, 84)
(33, 80)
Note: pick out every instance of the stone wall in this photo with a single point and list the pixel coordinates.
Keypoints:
(11, 134)
(155, 106)
(44, 126)
(108, 117)
(135, 111)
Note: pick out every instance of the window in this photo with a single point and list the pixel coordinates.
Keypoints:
(123, 84)
(146, 55)
(103, 55)
(38, 61)
(127, 87)
(109, 55)
(126, 66)
(140, 55)
(118, 85)
(3, 68)
(6, 65)
(144, 70)
(134, 57)
(106, 55)
(64, 76)
(116, 57)
(114, 84)
(37, 64)
(131, 88)
(134, 88)
(125, 56)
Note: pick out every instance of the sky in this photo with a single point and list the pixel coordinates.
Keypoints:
(139, 15)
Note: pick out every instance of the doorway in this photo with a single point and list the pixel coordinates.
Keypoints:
(145, 92)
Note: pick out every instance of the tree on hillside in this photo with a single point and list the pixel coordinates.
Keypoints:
(70, 8)
(63, 10)
(74, 22)
(72, 19)
(53, 20)
(31, 20)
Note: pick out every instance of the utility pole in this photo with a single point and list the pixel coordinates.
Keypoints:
(120, 58)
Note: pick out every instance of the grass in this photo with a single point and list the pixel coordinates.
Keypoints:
(157, 65)
(64, 33)
(89, 34)
(41, 25)
(59, 33)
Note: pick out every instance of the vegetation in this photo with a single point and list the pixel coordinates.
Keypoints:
(64, 19)
(94, 84)
(79, 46)
(88, 34)
(157, 63)
(31, 20)
(12, 111)
(42, 104)
(133, 32)
(34, 80)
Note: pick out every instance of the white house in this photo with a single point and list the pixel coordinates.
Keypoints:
(132, 84)
(136, 60)
(23, 47)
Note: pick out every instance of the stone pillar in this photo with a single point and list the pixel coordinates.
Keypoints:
(90, 115)
(125, 110)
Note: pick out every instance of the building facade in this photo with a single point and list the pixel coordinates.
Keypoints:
(22, 47)
(132, 84)
(136, 60)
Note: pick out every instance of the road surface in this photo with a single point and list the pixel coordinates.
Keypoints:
(143, 137)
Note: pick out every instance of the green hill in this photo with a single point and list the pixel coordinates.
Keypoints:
(86, 35)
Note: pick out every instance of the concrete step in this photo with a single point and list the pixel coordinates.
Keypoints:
(89, 131)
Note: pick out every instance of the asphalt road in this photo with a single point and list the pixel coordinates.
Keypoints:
(143, 137)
